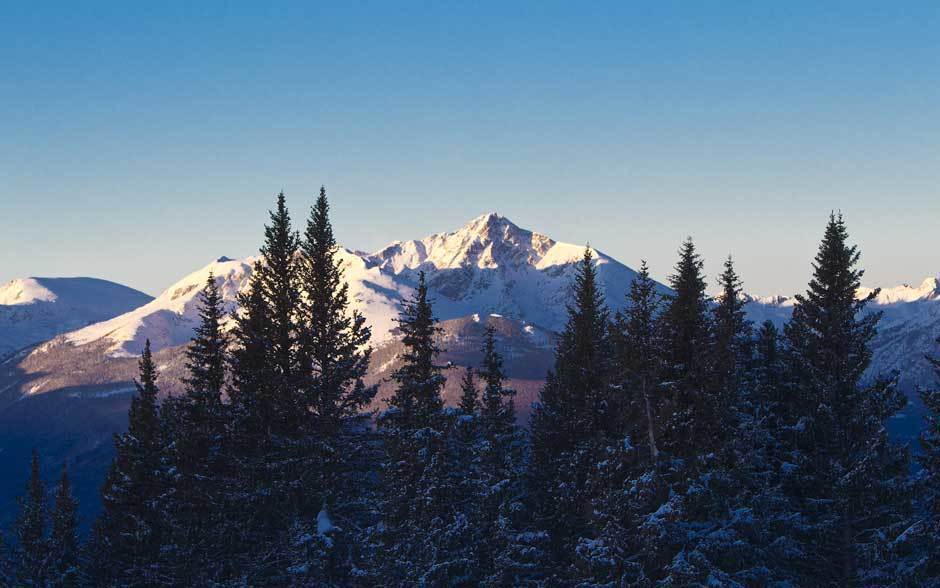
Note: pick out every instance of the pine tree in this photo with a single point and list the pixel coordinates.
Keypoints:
(333, 358)
(333, 339)
(732, 336)
(194, 427)
(248, 364)
(419, 381)
(850, 480)
(497, 410)
(128, 533)
(694, 426)
(63, 567)
(639, 351)
(281, 406)
(499, 461)
(427, 537)
(930, 462)
(206, 362)
(32, 548)
(468, 393)
(626, 478)
(574, 419)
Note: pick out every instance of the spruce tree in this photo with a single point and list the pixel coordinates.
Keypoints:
(32, 549)
(625, 478)
(930, 462)
(732, 336)
(850, 480)
(574, 419)
(694, 425)
(195, 425)
(639, 351)
(205, 362)
(333, 358)
(128, 533)
(281, 404)
(333, 339)
(497, 410)
(498, 456)
(63, 567)
(247, 363)
(426, 534)
(469, 395)
(419, 381)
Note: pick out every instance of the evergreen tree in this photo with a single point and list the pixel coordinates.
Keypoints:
(929, 566)
(63, 567)
(248, 364)
(850, 481)
(468, 393)
(626, 478)
(639, 351)
(280, 403)
(732, 336)
(32, 548)
(694, 425)
(498, 457)
(497, 411)
(333, 339)
(419, 380)
(334, 354)
(128, 533)
(206, 362)
(574, 419)
(427, 537)
(194, 426)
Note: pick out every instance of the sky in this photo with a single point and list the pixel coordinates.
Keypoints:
(139, 141)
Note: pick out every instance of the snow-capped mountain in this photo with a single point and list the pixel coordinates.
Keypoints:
(490, 266)
(68, 395)
(33, 310)
(168, 319)
(908, 329)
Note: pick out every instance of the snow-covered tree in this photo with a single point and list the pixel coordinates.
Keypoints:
(573, 419)
(850, 480)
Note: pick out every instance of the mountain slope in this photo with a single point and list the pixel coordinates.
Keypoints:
(33, 310)
(68, 395)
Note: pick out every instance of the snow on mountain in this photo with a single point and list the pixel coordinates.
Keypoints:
(168, 319)
(928, 290)
(492, 266)
(908, 328)
(33, 310)
(489, 266)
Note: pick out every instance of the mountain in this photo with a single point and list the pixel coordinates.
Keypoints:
(68, 395)
(909, 327)
(33, 310)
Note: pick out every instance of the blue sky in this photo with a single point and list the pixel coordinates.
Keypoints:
(137, 143)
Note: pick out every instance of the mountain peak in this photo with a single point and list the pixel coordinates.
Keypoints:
(25, 291)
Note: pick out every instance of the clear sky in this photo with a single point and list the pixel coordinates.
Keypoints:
(138, 141)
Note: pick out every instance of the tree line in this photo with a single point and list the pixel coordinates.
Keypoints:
(674, 443)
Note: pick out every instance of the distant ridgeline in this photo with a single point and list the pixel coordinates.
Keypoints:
(483, 407)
